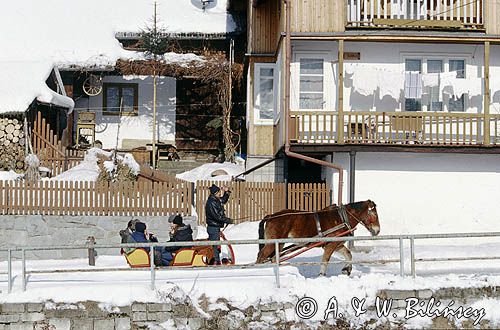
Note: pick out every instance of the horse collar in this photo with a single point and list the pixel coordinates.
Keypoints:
(318, 224)
(344, 217)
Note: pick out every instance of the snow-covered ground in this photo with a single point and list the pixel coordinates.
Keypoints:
(9, 175)
(204, 172)
(245, 287)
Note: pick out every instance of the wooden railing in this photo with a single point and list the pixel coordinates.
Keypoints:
(91, 198)
(415, 13)
(440, 128)
(252, 201)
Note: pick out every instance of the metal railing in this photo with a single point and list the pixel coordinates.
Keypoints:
(276, 261)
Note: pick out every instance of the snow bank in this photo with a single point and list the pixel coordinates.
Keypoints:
(9, 175)
(88, 170)
(204, 172)
(43, 40)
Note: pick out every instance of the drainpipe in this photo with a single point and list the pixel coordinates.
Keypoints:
(352, 179)
(352, 175)
(287, 107)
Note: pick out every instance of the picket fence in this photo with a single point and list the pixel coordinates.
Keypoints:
(252, 201)
(249, 201)
(91, 198)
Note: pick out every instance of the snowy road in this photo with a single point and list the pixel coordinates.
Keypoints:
(245, 287)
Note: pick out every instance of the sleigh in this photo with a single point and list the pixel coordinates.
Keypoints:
(196, 256)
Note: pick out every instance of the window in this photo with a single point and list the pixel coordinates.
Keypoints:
(413, 85)
(430, 96)
(264, 93)
(116, 94)
(455, 104)
(435, 103)
(311, 94)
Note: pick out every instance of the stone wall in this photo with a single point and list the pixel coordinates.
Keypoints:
(90, 315)
(176, 310)
(38, 230)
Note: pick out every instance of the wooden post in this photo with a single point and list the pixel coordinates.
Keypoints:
(340, 116)
(486, 110)
(91, 250)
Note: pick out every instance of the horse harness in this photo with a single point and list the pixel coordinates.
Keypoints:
(343, 216)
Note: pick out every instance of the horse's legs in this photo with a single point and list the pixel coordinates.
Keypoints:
(329, 248)
(268, 251)
(348, 257)
(265, 253)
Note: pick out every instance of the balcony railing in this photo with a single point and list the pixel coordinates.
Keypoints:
(423, 128)
(458, 14)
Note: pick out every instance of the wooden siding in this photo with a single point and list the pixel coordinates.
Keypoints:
(264, 27)
(492, 17)
(318, 16)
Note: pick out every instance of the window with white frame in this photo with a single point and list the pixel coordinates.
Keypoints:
(457, 104)
(311, 80)
(420, 97)
(413, 84)
(435, 103)
(264, 90)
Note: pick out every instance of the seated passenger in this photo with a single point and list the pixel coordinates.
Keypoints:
(126, 235)
(179, 232)
(161, 256)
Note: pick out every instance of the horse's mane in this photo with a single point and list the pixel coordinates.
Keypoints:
(358, 206)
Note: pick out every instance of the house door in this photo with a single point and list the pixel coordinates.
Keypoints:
(198, 116)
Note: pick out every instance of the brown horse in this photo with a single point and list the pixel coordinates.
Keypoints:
(301, 224)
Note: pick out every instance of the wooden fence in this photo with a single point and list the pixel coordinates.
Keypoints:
(50, 150)
(90, 198)
(252, 201)
(249, 201)
(308, 196)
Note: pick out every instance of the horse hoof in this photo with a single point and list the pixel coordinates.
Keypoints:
(321, 275)
(346, 271)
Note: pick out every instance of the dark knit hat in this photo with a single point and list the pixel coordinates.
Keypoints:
(178, 220)
(214, 189)
(140, 227)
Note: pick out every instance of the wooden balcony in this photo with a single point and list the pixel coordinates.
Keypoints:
(393, 128)
(408, 14)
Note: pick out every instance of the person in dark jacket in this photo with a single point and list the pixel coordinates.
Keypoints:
(126, 235)
(216, 216)
(161, 257)
(179, 232)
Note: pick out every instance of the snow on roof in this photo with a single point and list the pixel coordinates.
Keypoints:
(38, 35)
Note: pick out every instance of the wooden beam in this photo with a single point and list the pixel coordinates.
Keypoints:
(400, 38)
(418, 23)
(324, 149)
(340, 97)
(486, 110)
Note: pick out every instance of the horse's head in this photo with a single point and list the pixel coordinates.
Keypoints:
(370, 218)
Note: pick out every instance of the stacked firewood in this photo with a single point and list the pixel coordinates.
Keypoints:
(12, 142)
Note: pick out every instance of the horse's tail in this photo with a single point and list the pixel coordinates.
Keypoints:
(261, 232)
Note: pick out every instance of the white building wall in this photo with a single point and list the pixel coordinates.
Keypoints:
(136, 130)
(425, 193)
(390, 56)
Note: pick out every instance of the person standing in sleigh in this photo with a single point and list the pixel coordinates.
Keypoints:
(216, 216)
